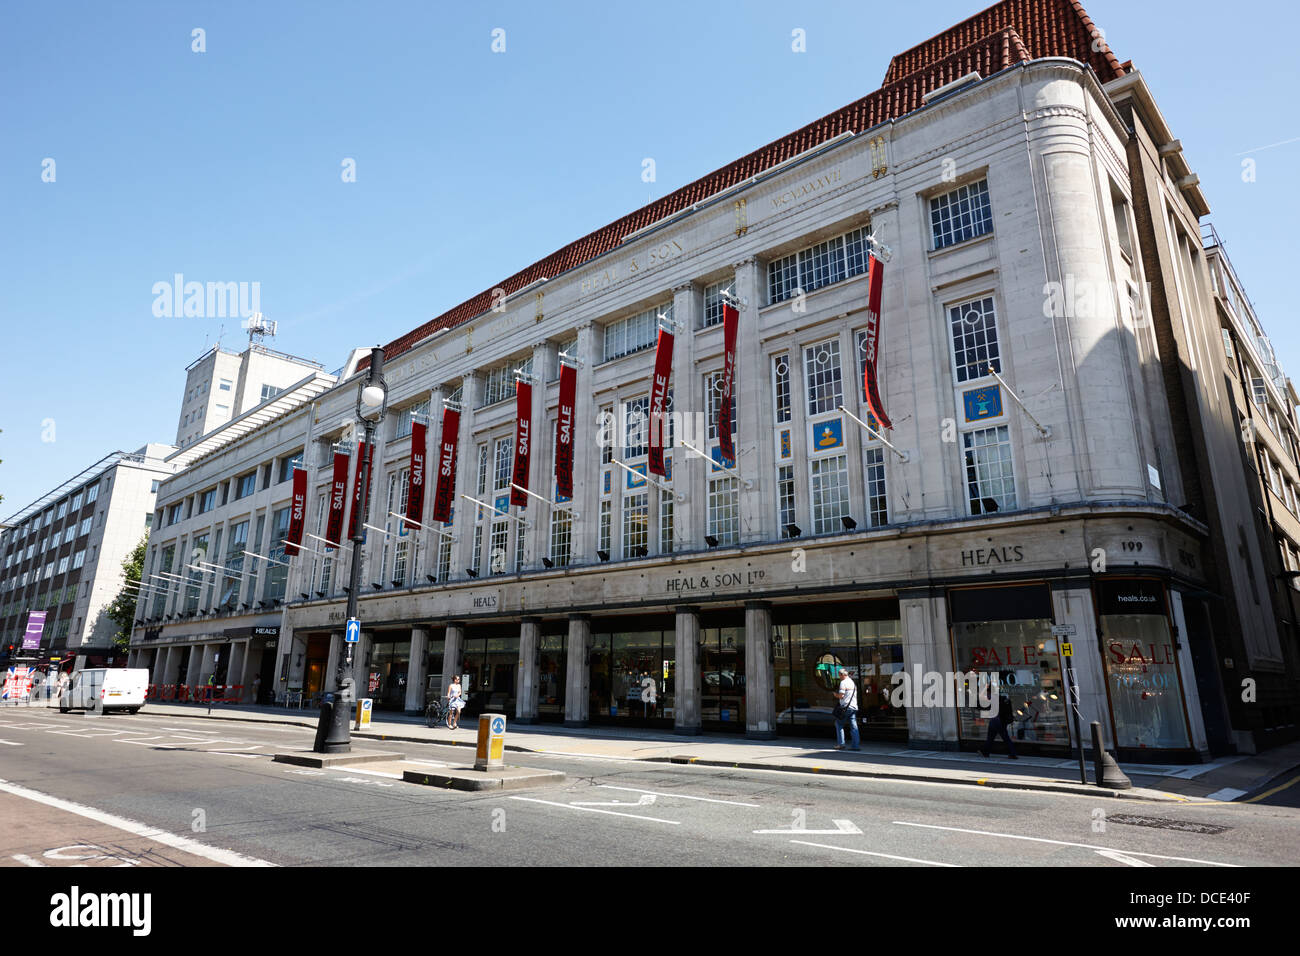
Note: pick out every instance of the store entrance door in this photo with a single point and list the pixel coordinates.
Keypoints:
(488, 675)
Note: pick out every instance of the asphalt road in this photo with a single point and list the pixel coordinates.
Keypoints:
(199, 794)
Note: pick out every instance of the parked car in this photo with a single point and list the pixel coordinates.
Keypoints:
(116, 688)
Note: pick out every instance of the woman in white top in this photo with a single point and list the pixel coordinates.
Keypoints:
(454, 702)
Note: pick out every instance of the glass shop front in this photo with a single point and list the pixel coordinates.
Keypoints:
(809, 646)
(633, 667)
(1007, 631)
(1142, 676)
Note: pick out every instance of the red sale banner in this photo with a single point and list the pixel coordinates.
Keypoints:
(338, 499)
(730, 326)
(875, 283)
(297, 513)
(445, 492)
(415, 478)
(564, 432)
(356, 489)
(658, 396)
(523, 441)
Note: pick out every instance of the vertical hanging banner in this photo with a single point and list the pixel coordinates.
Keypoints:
(356, 489)
(338, 499)
(730, 326)
(871, 383)
(415, 477)
(658, 396)
(523, 440)
(297, 513)
(445, 492)
(564, 432)
(35, 630)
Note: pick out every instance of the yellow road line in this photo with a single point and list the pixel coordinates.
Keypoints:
(1269, 793)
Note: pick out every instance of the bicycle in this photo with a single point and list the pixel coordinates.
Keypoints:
(438, 712)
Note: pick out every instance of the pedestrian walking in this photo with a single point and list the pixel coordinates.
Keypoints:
(454, 702)
(257, 689)
(1000, 725)
(846, 711)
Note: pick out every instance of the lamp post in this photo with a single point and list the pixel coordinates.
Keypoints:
(372, 402)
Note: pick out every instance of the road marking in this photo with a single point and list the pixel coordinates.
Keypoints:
(1086, 846)
(228, 753)
(679, 796)
(887, 856)
(10, 743)
(841, 826)
(1269, 793)
(26, 860)
(216, 854)
(1119, 857)
(645, 800)
(614, 813)
(1226, 794)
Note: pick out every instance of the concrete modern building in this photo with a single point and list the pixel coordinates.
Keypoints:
(62, 555)
(221, 385)
(208, 609)
(1056, 497)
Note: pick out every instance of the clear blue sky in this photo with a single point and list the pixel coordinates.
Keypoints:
(225, 165)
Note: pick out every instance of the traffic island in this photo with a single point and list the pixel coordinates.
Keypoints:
(489, 771)
(309, 758)
(467, 778)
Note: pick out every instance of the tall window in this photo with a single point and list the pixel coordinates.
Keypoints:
(961, 214)
(829, 490)
(636, 419)
(603, 541)
(636, 525)
(724, 510)
(635, 333)
(877, 508)
(713, 300)
(194, 582)
(713, 400)
(822, 374)
(666, 503)
(505, 451)
(277, 574)
(781, 386)
(974, 339)
(497, 545)
(990, 482)
(605, 426)
(818, 265)
(785, 498)
(444, 557)
(418, 412)
(497, 384)
(234, 565)
(245, 485)
(561, 537)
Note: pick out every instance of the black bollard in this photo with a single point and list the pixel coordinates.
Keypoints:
(1107, 771)
(323, 726)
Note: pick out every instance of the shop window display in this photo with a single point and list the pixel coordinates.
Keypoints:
(1024, 657)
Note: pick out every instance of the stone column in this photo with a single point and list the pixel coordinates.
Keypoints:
(1074, 606)
(235, 666)
(586, 457)
(526, 689)
(451, 655)
(760, 692)
(172, 668)
(415, 670)
(577, 693)
(1187, 673)
(926, 647)
(686, 703)
(250, 669)
(755, 455)
(194, 667)
(689, 516)
(467, 468)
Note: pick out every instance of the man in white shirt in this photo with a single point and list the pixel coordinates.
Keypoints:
(848, 698)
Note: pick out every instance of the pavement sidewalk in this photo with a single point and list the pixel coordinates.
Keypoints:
(1223, 779)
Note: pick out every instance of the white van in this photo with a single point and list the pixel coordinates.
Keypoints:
(117, 688)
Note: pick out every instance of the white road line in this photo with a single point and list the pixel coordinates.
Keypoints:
(227, 753)
(216, 854)
(373, 773)
(841, 826)
(679, 796)
(1086, 846)
(613, 813)
(26, 860)
(10, 743)
(1124, 858)
(887, 856)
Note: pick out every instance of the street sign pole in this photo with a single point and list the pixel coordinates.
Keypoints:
(1063, 633)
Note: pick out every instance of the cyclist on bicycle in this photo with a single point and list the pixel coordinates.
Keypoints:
(454, 703)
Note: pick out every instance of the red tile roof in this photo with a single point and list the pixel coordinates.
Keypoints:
(1049, 28)
(1003, 35)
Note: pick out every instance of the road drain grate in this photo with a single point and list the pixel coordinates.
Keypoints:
(1163, 823)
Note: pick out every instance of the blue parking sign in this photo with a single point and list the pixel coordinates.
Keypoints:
(353, 633)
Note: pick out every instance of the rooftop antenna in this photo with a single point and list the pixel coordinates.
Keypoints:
(259, 327)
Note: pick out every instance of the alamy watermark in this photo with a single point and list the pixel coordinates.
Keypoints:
(205, 300)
